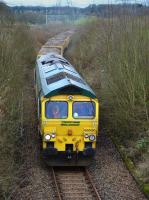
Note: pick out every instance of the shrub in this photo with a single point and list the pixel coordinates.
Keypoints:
(17, 55)
(112, 55)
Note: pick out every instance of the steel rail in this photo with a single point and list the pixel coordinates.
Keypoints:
(91, 182)
(86, 175)
(57, 188)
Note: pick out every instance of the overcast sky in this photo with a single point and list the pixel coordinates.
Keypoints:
(79, 3)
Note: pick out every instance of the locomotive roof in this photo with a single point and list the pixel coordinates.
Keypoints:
(58, 76)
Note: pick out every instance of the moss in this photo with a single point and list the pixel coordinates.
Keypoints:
(146, 189)
(131, 167)
(129, 164)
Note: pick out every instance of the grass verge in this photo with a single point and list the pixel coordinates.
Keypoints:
(112, 55)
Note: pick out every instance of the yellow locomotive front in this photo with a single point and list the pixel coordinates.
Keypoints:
(67, 113)
(69, 127)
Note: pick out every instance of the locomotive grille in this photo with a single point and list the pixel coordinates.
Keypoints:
(61, 76)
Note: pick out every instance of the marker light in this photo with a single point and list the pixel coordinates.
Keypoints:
(47, 137)
(86, 136)
(92, 137)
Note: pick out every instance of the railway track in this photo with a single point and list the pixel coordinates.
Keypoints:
(74, 184)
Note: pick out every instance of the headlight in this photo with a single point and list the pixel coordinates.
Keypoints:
(47, 137)
(92, 137)
(53, 135)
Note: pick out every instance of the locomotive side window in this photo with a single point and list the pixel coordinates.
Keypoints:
(56, 110)
(83, 109)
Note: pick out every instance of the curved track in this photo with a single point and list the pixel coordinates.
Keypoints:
(74, 184)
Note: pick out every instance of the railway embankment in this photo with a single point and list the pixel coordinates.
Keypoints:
(16, 58)
(18, 124)
(99, 51)
(120, 80)
(108, 172)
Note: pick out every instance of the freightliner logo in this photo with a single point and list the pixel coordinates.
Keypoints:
(70, 123)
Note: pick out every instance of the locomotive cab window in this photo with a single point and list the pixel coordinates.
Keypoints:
(56, 110)
(84, 110)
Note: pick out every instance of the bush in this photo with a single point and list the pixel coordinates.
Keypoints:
(6, 16)
(112, 55)
(17, 55)
(127, 77)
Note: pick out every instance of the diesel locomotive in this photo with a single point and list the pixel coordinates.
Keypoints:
(68, 108)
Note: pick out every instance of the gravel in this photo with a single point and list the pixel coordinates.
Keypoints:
(110, 175)
(39, 185)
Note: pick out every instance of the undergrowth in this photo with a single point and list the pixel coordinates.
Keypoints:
(16, 56)
(19, 44)
(112, 55)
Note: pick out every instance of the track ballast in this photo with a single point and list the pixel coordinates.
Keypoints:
(72, 184)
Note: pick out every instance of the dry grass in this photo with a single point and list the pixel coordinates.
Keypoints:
(112, 55)
(17, 54)
(18, 47)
